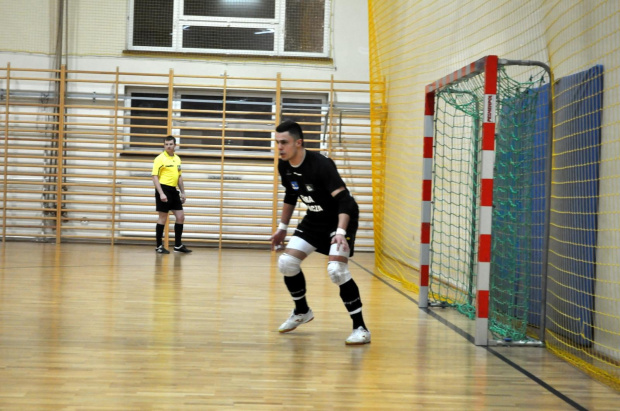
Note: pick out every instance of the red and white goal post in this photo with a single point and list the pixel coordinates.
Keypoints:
(474, 196)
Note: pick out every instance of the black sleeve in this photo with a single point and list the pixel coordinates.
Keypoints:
(290, 199)
(290, 195)
(332, 178)
(347, 204)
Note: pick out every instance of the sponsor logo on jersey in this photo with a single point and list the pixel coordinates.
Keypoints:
(295, 185)
(309, 201)
(309, 187)
(297, 174)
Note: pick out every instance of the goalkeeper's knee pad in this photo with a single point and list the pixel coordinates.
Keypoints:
(289, 265)
(338, 272)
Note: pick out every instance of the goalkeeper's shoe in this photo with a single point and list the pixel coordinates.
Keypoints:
(295, 320)
(359, 336)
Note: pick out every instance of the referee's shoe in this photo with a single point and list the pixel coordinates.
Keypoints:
(161, 250)
(182, 249)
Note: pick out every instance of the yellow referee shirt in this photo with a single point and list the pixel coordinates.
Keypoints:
(167, 168)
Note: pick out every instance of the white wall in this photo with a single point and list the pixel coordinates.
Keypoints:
(96, 38)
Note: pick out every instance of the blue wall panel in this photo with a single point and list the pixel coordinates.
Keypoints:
(571, 272)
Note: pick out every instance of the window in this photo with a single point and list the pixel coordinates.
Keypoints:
(241, 27)
(148, 119)
(245, 122)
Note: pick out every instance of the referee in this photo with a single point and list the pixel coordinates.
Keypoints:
(167, 177)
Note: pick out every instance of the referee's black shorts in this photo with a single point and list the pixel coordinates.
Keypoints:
(174, 199)
(319, 233)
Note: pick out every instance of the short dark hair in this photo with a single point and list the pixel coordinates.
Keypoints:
(293, 129)
(168, 138)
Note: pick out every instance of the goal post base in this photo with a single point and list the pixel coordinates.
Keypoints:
(520, 343)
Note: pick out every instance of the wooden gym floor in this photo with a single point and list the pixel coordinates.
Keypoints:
(96, 327)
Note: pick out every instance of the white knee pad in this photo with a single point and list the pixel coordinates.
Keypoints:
(338, 272)
(289, 266)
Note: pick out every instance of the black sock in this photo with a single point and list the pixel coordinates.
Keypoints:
(178, 233)
(296, 285)
(350, 295)
(358, 321)
(159, 233)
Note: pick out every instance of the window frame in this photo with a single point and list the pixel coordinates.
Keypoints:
(178, 119)
(277, 24)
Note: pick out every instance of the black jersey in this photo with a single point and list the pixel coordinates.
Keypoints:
(313, 181)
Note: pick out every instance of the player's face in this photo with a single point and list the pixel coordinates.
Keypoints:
(169, 146)
(288, 147)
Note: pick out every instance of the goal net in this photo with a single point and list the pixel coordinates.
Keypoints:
(484, 196)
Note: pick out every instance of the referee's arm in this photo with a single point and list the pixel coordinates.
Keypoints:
(181, 189)
(158, 188)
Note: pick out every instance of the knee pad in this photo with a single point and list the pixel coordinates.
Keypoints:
(289, 265)
(338, 272)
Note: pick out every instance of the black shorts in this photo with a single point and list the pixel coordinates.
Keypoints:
(319, 233)
(174, 199)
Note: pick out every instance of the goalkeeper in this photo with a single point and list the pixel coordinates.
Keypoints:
(329, 227)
